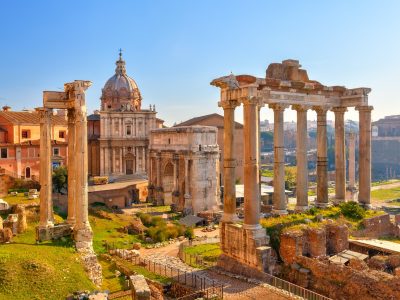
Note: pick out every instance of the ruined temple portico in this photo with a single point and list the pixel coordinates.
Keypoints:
(284, 85)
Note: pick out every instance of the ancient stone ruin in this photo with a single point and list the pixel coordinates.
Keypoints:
(285, 84)
(73, 100)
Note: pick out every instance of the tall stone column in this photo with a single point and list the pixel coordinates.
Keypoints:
(143, 159)
(280, 205)
(229, 161)
(187, 196)
(352, 160)
(71, 168)
(340, 154)
(81, 165)
(158, 166)
(251, 172)
(175, 163)
(322, 158)
(101, 161)
(301, 158)
(46, 202)
(120, 161)
(364, 175)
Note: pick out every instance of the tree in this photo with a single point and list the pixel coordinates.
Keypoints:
(60, 178)
(290, 177)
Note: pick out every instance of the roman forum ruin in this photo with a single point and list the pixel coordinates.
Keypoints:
(73, 100)
(285, 84)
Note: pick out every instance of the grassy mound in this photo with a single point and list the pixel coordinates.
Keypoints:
(40, 271)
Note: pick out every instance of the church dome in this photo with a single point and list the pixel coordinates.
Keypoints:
(121, 93)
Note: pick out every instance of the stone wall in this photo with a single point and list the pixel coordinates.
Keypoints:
(6, 183)
(245, 246)
(342, 282)
(51, 233)
(313, 242)
(378, 226)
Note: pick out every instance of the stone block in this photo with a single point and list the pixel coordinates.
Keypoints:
(316, 242)
(337, 238)
(140, 288)
(291, 245)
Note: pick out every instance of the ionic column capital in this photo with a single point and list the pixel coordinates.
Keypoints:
(339, 109)
(278, 106)
(364, 108)
(300, 107)
(251, 101)
(321, 110)
(229, 104)
(44, 114)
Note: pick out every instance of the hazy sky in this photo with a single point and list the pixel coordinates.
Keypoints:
(173, 49)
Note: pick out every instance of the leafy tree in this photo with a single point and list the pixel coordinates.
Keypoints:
(60, 178)
(290, 177)
(189, 233)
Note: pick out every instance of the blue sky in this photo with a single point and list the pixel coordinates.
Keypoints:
(173, 49)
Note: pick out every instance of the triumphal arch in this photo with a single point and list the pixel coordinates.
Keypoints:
(73, 100)
(285, 85)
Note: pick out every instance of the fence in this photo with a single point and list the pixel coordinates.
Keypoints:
(195, 259)
(276, 282)
(196, 281)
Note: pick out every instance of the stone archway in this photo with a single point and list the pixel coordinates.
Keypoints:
(168, 182)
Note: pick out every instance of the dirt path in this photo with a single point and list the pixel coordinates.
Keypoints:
(386, 186)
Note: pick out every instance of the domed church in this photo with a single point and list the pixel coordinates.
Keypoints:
(121, 137)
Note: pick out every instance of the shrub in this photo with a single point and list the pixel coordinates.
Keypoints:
(189, 233)
(352, 210)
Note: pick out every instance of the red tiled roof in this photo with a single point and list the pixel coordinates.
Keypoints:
(26, 117)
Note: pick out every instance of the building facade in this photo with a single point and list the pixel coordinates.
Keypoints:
(386, 148)
(20, 139)
(119, 132)
(184, 168)
(217, 120)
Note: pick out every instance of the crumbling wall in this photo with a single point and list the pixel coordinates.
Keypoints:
(291, 245)
(342, 282)
(337, 238)
(376, 227)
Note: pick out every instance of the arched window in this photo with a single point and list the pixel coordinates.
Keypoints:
(27, 172)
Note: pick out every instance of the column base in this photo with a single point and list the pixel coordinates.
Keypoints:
(338, 201)
(321, 205)
(229, 218)
(49, 224)
(83, 238)
(279, 212)
(252, 226)
(71, 221)
(301, 208)
(365, 205)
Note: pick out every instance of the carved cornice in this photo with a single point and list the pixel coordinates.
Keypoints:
(321, 110)
(301, 107)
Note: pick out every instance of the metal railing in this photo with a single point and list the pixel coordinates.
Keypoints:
(188, 278)
(291, 288)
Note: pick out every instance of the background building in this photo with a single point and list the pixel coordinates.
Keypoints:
(20, 141)
(119, 134)
(217, 120)
(184, 168)
(386, 148)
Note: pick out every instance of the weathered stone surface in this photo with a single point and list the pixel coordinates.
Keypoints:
(91, 265)
(316, 238)
(291, 245)
(22, 225)
(337, 238)
(51, 233)
(5, 235)
(140, 288)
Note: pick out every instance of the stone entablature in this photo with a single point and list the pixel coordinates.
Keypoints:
(184, 168)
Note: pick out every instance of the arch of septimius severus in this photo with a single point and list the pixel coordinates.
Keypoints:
(73, 100)
(285, 85)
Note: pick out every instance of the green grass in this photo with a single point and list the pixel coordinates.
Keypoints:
(384, 182)
(11, 200)
(40, 271)
(385, 194)
(209, 253)
(110, 281)
(107, 230)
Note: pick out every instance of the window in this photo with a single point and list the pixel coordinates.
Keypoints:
(4, 153)
(128, 130)
(56, 151)
(25, 134)
(61, 134)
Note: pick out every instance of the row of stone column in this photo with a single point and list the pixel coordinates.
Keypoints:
(251, 110)
(77, 170)
(110, 156)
